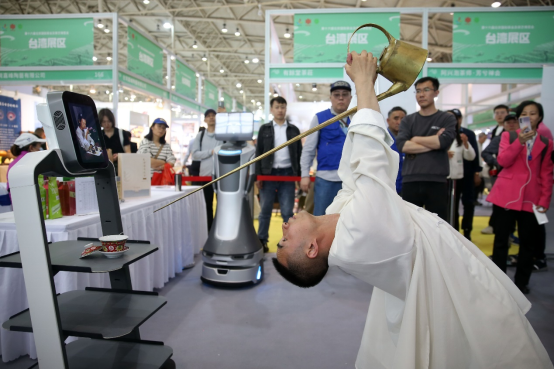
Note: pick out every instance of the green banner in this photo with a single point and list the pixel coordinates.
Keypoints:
(144, 57)
(179, 100)
(486, 73)
(239, 107)
(323, 38)
(210, 95)
(228, 101)
(46, 42)
(147, 87)
(508, 37)
(185, 81)
(294, 74)
(58, 75)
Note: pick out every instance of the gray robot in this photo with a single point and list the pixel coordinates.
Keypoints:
(233, 254)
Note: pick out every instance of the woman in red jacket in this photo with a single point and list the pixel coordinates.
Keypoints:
(525, 182)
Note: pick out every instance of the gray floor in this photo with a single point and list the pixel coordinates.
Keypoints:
(277, 325)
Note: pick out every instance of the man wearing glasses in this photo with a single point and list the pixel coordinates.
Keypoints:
(425, 137)
(327, 143)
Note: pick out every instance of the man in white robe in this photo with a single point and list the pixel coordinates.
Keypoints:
(438, 301)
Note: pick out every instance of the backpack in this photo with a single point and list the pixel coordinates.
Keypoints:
(194, 169)
(514, 135)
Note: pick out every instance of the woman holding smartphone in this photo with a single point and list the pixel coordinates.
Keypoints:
(523, 186)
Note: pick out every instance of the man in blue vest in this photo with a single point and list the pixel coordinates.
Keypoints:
(327, 144)
(394, 118)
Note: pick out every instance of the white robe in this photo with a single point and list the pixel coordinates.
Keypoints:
(438, 301)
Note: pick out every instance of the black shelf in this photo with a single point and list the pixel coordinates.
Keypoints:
(98, 313)
(96, 354)
(65, 256)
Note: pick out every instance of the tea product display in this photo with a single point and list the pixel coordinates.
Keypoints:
(42, 195)
(54, 204)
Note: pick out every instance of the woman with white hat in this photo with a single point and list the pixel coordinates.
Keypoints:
(24, 144)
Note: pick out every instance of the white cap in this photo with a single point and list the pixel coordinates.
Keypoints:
(27, 139)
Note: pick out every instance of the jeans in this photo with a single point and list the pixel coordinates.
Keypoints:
(284, 191)
(324, 194)
(431, 195)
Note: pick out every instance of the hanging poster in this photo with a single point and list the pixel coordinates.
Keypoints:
(323, 38)
(239, 107)
(210, 94)
(10, 121)
(185, 81)
(508, 37)
(228, 102)
(46, 42)
(144, 57)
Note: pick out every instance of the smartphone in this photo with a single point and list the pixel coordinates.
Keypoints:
(525, 124)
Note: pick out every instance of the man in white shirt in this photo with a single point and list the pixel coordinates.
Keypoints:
(83, 133)
(438, 302)
(284, 163)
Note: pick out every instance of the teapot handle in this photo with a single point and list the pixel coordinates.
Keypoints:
(389, 36)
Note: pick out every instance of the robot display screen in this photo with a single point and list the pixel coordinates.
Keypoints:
(234, 126)
(86, 133)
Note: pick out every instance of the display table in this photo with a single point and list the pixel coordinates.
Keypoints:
(179, 230)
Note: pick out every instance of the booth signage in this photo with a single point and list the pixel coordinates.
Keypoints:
(179, 100)
(10, 121)
(57, 75)
(295, 74)
(144, 57)
(46, 42)
(239, 106)
(210, 95)
(485, 73)
(185, 81)
(147, 87)
(323, 38)
(228, 101)
(508, 37)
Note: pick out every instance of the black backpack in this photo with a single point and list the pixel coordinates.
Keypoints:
(194, 169)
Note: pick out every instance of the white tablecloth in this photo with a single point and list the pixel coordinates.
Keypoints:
(179, 231)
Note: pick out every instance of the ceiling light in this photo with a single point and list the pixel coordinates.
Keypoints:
(133, 97)
(237, 32)
(451, 13)
(100, 25)
(298, 85)
(107, 30)
(259, 81)
(300, 96)
(314, 86)
(239, 85)
(279, 86)
(167, 25)
(146, 2)
(246, 61)
(253, 101)
(221, 99)
(197, 75)
(107, 92)
(496, 4)
(166, 77)
(287, 33)
(92, 91)
(94, 58)
(173, 87)
(221, 71)
(429, 59)
(224, 29)
(270, 94)
(275, 94)
(126, 98)
(194, 45)
(120, 90)
(172, 57)
(204, 58)
(241, 91)
(255, 60)
(258, 103)
(109, 57)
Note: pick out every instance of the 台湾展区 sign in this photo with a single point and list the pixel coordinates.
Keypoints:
(46, 42)
(323, 38)
(508, 37)
(144, 57)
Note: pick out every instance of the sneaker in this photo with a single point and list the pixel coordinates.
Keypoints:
(487, 230)
(512, 260)
(540, 265)
(514, 240)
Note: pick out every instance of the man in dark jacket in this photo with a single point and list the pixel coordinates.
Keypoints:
(284, 162)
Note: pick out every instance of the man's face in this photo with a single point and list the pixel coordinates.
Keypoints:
(394, 120)
(425, 94)
(511, 125)
(83, 123)
(296, 233)
(210, 119)
(340, 99)
(499, 115)
(279, 110)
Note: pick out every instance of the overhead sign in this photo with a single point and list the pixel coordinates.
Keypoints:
(228, 101)
(46, 42)
(57, 75)
(507, 37)
(210, 95)
(185, 81)
(144, 57)
(10, 121)
(145, 87)
(323, 38)
(476, 74)
(294, 74)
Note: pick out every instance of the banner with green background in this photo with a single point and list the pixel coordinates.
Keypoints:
(239, 107)
(46, 42)
(228, 101)
(323, 38)
(210, 95)
(508, 37)
(144, 57)
(185, 81)
(57, 75)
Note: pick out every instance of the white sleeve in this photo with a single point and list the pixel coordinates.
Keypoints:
(82, 141)
(374, 224)
(469, 153)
